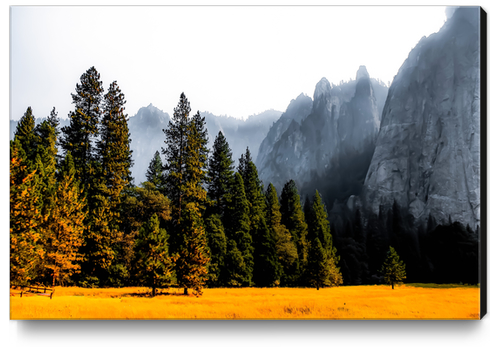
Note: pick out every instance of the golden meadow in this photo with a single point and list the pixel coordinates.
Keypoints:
(346, 302)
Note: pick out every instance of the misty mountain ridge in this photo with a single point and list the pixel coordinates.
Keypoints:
(316, 141)
(147, 137)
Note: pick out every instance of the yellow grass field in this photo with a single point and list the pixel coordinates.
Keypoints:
(349, 302)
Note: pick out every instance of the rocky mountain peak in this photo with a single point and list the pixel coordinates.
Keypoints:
(322, 89)
(362, 73)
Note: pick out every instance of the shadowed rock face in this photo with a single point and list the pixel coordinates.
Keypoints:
(427, 154)
(312, 138)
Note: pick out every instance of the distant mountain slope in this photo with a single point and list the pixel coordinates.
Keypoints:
(427, 154)
(325, 143)
(147, 136)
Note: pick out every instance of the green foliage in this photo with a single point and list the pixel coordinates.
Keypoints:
(286, 251)
(237, 228)
(220, 172)
(80, 135)
(193, 257)
(294, 220)
(216, 240)
(266, 263)
(24, 134)
(319, 231)
(318, 269)
(154, 263)
(154, 174)
(393, 268)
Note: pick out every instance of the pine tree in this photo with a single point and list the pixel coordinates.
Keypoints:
(24, 134)
(79, 137)
(113, 144)
(393, 268)
(175, 155)
(139, 205)
(266, 264)
(154, 174)
(285, 248)
(220, 172)
(186, 158)
(318, 270)
(319, 228)
(193, 257)
(294, 220)
(65, 226)
(216, 240)
(26, 247)
(237, 228)
(154, 261)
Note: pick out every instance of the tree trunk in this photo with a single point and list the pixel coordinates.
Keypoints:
(153, 291)
(392, 285)
(185, 291)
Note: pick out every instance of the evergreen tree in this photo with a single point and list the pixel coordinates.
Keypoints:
(79, 137)
(24, 134)
(285, 248)
(193, 257)
(216, 240)
(186, 158)
(175, 155)
(294, 220)
(154, 174)
(220, 172)
(393, 268)
(26, 246)
(65, 226)
(154, 262)
(237, 228)
(318, 271)
(139, 205)
(319, 229)
(113, 144)
(266, 263)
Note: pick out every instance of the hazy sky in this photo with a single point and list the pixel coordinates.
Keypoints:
(234, 60)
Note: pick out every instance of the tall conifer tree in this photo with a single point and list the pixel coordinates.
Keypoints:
(79, 136)
(240, 261)
(294, 220)
(154, 173)
(285, 247)
(220, 172)
(266, 264)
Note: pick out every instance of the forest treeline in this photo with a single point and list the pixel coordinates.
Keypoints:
(76, 218)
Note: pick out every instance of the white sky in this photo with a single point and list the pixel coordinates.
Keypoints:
(235, 60)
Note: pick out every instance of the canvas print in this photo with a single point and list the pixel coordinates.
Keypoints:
(242, 162)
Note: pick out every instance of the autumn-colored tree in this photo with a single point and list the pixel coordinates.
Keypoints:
(154, 263)
(64, 226)
(26, 247)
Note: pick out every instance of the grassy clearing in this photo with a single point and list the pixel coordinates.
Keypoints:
(349, 302)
